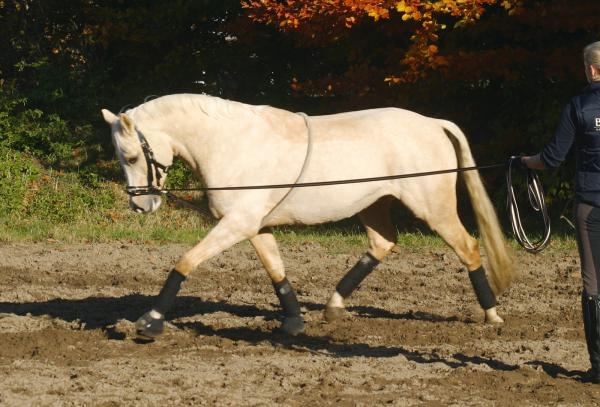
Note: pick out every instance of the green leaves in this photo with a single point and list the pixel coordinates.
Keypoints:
(30, 130)
(17, 173)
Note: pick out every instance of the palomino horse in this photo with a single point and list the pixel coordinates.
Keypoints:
(232, 144)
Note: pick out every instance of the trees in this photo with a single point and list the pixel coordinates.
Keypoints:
(423, 21)
(456, 38)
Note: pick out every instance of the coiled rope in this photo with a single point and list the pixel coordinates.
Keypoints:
(535, 193)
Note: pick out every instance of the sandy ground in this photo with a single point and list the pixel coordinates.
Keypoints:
(413, 337)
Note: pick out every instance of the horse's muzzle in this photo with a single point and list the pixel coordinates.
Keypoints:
(145, 203)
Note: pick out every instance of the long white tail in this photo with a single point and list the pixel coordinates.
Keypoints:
(500, 263)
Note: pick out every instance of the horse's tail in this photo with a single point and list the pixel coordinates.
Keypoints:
(500, 263)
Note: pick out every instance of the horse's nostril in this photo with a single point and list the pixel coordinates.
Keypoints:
(135, 207)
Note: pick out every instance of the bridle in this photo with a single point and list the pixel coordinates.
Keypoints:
(154, 174)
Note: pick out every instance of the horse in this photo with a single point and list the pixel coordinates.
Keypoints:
(233, 144)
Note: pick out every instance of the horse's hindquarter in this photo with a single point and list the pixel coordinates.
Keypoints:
(366, 144)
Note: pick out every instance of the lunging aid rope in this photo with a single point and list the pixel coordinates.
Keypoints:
(335, 182)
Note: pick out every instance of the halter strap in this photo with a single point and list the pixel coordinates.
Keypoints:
(154, 174)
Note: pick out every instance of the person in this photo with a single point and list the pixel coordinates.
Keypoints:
(579, 125)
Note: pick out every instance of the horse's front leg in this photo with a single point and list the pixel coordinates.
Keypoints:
(266, 247)
(224, 235)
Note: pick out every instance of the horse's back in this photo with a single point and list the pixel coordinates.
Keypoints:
(405, 140)
(388, 120)
(371, 143)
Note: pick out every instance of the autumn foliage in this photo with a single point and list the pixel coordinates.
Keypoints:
(424, 19)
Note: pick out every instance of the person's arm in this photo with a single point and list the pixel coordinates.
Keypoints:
(555, 152)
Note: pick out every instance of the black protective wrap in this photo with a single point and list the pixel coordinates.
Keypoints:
(482, 288)
(167, 294)
(287, 298)
(356, 275)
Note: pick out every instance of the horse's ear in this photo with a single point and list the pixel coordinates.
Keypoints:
(127, 124)
(109, 117)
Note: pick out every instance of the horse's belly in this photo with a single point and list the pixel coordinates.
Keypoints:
(323, 204)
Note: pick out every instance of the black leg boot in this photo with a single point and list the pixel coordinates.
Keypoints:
(152, 323)
(292, 321)
(350, 282)
(590, 305)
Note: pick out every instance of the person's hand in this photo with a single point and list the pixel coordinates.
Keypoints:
(518, 162)
(533, 162)
(523, 160)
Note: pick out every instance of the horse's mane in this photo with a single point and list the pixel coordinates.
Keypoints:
(184, 103)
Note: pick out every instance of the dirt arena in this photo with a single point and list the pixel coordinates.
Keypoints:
(413, 337)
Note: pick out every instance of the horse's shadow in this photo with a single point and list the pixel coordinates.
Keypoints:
(101, 312)
(556, 371)
(364, 311)
(104, 312)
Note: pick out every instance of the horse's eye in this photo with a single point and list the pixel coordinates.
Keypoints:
(132, 160)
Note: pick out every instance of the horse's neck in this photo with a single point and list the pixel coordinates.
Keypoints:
(210, 134)
(199, 128)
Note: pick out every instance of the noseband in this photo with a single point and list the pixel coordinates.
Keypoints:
(154, 175)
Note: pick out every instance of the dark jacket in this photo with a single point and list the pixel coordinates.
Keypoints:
(580, 124)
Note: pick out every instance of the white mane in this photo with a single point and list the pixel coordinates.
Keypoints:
(186, 103)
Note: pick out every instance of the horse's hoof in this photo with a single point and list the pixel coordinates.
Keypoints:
(149, 327)
(494, 320)
(334, 313)
(492, 317)
(292, 326)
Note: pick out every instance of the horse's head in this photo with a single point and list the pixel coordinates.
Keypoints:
(143, 162)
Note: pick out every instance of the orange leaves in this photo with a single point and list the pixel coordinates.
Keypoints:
(422, 17)
(293, 13)
(512, 6)
(350, 21)
(408, 11)
(285, 15)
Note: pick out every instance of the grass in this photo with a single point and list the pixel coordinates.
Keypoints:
(135, 228)
(175, 225)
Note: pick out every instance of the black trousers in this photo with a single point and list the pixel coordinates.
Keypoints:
(587, 231)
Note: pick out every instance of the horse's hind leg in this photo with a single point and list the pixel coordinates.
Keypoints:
(266, 247)
(448, 225)
(382, 238)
